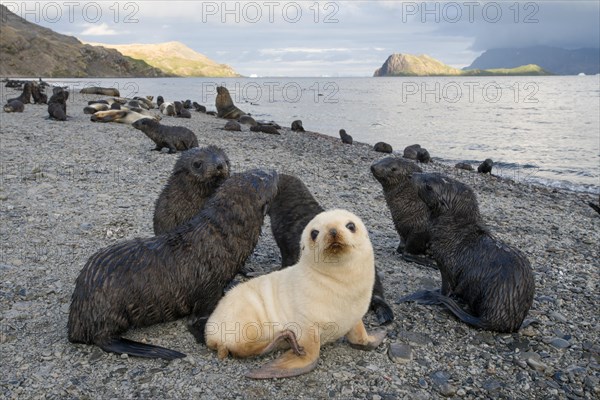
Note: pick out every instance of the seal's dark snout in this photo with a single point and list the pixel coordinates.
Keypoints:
(333, 232)
(220, 167)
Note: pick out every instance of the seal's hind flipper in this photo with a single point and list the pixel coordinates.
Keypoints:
(421, 260)
(359, 338)
(384, 313)
(126, 346)
(290, 363)
(198, 329)
(422, 296)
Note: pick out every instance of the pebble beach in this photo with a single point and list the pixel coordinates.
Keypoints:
(68, 189)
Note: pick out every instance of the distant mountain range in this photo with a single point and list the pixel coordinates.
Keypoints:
(29, 50)
(556, 60)
(424, 65)
(173, 58)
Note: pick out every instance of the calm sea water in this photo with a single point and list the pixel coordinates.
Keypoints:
(543, 130)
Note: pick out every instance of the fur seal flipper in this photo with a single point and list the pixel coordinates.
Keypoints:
(126, 346)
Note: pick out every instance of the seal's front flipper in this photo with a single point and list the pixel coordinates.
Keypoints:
(198, 328)
(384, 313)
(126, 346)
(422, 296)
(360, 339)
(290, 363)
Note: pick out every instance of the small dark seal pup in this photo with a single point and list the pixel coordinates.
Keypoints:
(142, 282)
(265, 128)
(410, 214)
(225, 107)
(199, 107)
(14, 106)
(383, 147)
(297, 126)
(180, 111)
(39, 97)
(411, 151)
(196, 176)
(247, 120)
(486, 166)
(57, 105)
(187, 104)
(25, 96)
(423, 156)
(494, 279)
(293, 208)
(346, 139)
(233, 126)
(159, 101)
(173, 137)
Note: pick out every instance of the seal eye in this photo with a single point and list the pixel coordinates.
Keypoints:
(351, 227)
(313, 234)
(197, 164)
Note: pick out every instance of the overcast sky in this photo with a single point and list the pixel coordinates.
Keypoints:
(325, 38)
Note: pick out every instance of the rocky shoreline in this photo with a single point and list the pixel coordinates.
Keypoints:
(70, 188)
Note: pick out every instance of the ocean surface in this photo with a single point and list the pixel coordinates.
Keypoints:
(542, 130)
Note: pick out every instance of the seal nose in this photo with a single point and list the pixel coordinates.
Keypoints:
(220, 167)
(333, 232)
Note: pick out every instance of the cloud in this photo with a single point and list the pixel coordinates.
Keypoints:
(99, 30)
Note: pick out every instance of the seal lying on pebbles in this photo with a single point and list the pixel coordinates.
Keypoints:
(423, 156)
(142, 282)
(494, 279)
(167, 108)
(346, 139)
(199, 107)
(173, 137)
(270, 129)
(247, 120)
(411, 151)
(410, 214)
(101, 90)
(290, 212)
(14, 106)
(320, 299)
(95, 107)
(180, 111)
(225, 107)
(122, 115)
(464, 165)
(196, 176)
(486, 166)
(233, 126)
(57, 105)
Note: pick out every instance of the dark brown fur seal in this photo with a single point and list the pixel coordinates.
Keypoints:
(270, 129)
(57, 105)
(173, 137)
(142, 282)
(293, 208)
(39, 97)
(494, 279)
(14, 106)
(25, 96)
(423, 156)
(159, 100)
(196, 176)
(247, 120)
(383, 147)
(180, 111)
(297, 126)
(233, 126)
(225, 107)
(411, 151)
(346, 139)
(464, 165)
(486, 166)
(410, 214)
(199, 107)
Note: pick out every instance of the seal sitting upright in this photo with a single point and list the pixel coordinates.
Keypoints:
(225, 107)
(290, 212)
(494, 279)
(141, 282)
(196, 176)
(320, 299)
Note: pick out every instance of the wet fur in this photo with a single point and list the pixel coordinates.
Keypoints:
(493, 278)
(189, 186)
(141, 282)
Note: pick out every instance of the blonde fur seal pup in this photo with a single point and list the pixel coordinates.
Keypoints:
(320, 299)
(122, 116)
